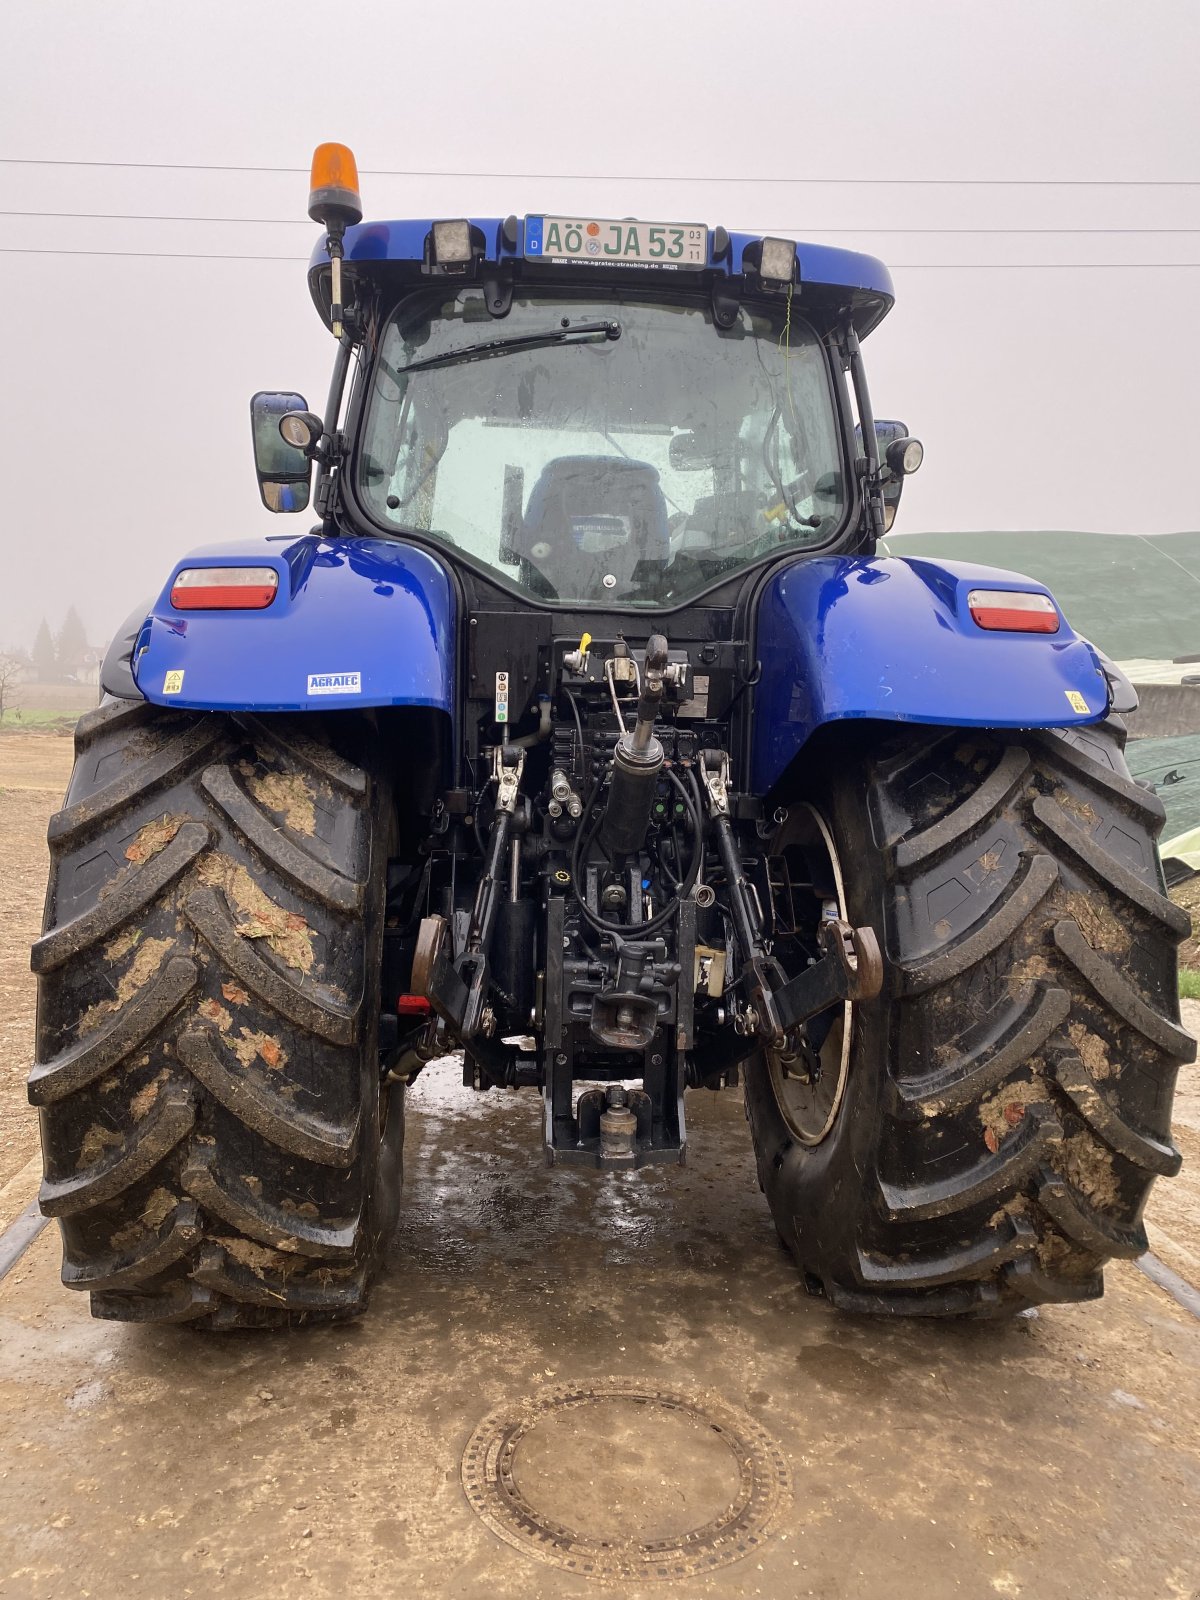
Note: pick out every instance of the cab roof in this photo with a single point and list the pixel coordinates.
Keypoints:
(828, 281)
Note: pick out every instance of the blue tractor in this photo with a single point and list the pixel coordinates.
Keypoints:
(588, 733)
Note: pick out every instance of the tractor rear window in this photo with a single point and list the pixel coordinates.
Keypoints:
(611, 449)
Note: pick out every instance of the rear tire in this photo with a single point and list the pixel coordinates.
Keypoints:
(217, 1145)
(1008, 1098)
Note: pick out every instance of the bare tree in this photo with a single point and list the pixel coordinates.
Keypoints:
(10, 676)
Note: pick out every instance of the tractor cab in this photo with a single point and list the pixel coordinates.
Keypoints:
(592, 412)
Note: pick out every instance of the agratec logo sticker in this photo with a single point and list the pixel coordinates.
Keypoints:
(335, 683)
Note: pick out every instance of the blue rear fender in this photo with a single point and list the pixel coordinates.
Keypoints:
(894, 640)
(354, 622)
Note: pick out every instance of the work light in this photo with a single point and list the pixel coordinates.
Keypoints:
(301, 429)
(777, 260)
(452, 243)
(905, 456)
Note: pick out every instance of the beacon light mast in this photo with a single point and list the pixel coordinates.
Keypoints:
(334, 202)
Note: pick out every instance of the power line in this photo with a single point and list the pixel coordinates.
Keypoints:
(628, 177)
(153, 255)
(1038, 266)
(304, 222)
(900, 266)
(157, 216)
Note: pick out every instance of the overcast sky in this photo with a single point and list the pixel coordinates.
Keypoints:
(1049, 365)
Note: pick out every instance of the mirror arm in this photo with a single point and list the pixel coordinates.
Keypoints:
(329, 447)
(871, 483)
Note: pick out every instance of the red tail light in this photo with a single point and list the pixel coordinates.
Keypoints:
(1013, 611)
(412, 1005)
(224, 588)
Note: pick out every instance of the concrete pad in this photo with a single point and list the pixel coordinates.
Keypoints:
(1052, 1457)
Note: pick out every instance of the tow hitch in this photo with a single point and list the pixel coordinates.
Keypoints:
(850, 969)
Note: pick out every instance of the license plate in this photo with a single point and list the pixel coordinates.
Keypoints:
(590, 239)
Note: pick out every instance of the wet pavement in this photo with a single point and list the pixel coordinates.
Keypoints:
(1050, 1457)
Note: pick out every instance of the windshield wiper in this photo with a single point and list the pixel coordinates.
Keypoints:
(519, 341)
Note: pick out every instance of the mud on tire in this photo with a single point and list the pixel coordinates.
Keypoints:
(1008, 1101)
(217, 1146)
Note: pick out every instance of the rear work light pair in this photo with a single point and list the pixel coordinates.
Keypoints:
(254, 588)
(224, 588)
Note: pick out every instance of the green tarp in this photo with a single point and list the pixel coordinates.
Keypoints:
(1132, 595)
(1137, 597)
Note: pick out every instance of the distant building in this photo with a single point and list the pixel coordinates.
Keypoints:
(88, 670)
(25, 671)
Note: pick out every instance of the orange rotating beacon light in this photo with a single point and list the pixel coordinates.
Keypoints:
(334, 202)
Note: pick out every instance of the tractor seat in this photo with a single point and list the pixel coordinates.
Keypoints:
(592, 516)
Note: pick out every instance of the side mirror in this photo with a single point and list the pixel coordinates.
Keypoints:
(284, 469)
(899, 454)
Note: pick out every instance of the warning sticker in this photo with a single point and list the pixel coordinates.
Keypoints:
(1075, 700)
(173, 683)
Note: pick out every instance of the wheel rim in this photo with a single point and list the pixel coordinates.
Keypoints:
(810, 1108)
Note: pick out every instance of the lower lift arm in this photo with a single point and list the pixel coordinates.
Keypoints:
(850, 968)
(457, 986)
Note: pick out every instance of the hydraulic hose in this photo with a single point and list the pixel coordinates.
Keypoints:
(583, 839)
(638, 761)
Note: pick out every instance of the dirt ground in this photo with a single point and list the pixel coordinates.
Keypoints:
(34, 769)
(1056, 1457)
(71, 699)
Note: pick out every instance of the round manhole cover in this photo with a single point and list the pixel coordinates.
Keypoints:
(619, 1479)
